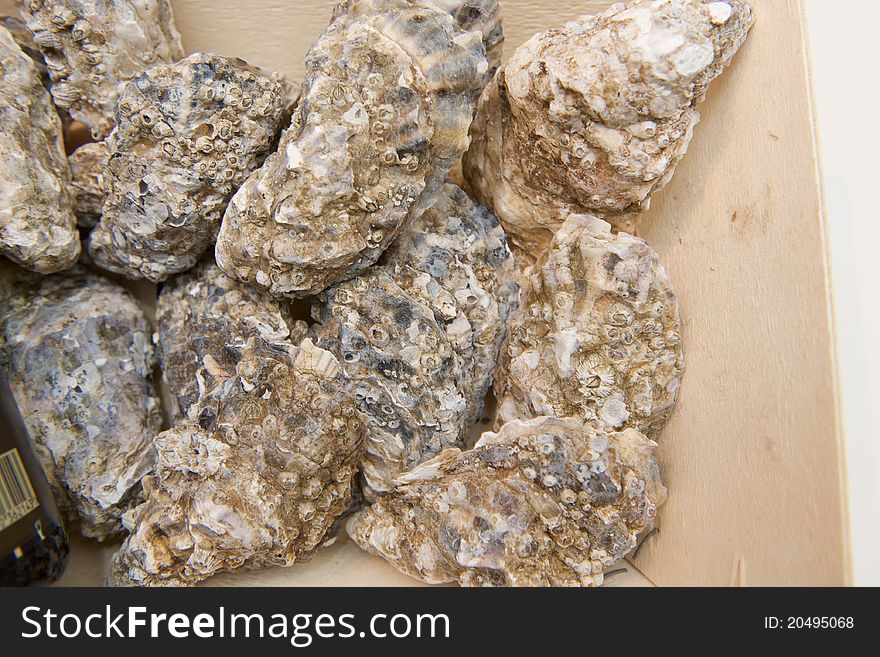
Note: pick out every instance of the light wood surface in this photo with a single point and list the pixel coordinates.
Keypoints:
(753, 456)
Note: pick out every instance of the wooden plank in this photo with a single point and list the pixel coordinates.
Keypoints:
(752, 456)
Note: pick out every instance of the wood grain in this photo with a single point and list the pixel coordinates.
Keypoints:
(752, 457)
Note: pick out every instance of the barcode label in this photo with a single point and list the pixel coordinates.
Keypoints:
(17, 498)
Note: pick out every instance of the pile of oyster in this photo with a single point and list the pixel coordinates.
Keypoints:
(241, 197)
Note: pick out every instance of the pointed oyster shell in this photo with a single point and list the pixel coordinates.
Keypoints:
(595, 116)
(91, 46)
(80, 359)
(545, 502)
(37, 224)
(384, 112)
(598, 335)
(188, 135)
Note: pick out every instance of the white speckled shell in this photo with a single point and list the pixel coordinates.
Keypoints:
(188, 135)
(598, 335)
(87, 182)
(546, 502)
(384, 113)
(255, 476)
(91, 46)
(37, 224)
(594, 117)
(419, 336)
(80, 358)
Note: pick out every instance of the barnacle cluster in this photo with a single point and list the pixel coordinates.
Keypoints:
(593, 117)
(279, 429)
(188, 134)
(91, 46)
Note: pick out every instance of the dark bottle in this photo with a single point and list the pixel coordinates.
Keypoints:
(33, 543)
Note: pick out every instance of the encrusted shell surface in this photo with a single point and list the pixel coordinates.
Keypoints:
(37, 224)
(384, 112)
(87, 182)
(188, 135)
(205, 321)
(545, 502)
(595, 116)
(419, 335)
(80, 357)
(598, 335)
(91, 46)
(25, 41)
(254, 477)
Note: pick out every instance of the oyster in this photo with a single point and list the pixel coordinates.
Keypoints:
(37, 224)
(205, 320)
(544, 502)
(598, 335)
(384, 113)
(87, 179)
(419, 335)
(25, 41)
(80, 357)
(255, 476)
(595, 116)
(188, 135)
(91, 46)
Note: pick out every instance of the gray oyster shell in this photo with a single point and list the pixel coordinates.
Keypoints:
(383, 115)
(80, 357)
(598, 335)
(205, 321)
(544, 502)
(188, 135)
(419, 336)
(595, 116)
(87, 182)
(255, 476)
(91, 46)
(37, 224)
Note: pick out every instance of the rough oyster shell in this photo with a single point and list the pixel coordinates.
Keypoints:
(91, 46)
(37, 224)
(545, 502)
(188, 135)
(595, 116)
(80, 357)
(87, 182)
(384, 112)
(598, 334)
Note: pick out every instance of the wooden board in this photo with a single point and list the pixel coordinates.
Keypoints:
(753, 455)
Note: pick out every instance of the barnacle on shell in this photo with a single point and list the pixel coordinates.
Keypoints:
(595, 116)
(37, 224)
(188, 135)
(384, 112)
(419, 335)
(80, 357)
(87, 182)
(255, 475)
(598, 334)
(205, 321)
(91, 46)
(544, 502)
(25, 41)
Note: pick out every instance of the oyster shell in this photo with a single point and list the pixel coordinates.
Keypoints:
(384, 112)
(188, 135)
(87, 180)
(91, 46)
(80, 357)
(544, 502)
(205, 321)
(25, 41)
(255, 476)
(419, 335)
(595, 116)
(598, 335)
(37, 224)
